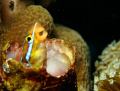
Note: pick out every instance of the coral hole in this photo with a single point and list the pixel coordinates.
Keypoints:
(12, 5)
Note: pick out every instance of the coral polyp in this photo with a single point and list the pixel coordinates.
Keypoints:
(107, 75)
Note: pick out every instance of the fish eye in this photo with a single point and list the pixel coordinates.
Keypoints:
(29, 39)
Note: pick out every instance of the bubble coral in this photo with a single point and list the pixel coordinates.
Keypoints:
(107, 75)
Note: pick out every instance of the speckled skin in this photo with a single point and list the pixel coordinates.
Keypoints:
(82, 66)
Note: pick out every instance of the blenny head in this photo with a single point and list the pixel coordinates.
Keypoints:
(33, 42)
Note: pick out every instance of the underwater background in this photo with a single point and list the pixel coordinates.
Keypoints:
(97, 21)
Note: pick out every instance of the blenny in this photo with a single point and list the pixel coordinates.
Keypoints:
(34, 49)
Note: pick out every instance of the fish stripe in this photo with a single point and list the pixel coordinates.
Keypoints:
(30, 46)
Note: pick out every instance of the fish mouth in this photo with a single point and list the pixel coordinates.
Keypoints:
(60, 56)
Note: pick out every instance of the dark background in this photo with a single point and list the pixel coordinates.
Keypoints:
(96, 20)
